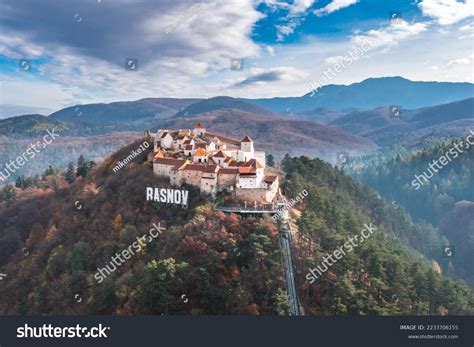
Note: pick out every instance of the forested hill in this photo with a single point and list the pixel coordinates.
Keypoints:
(435, 197)
(380, 276)
(204, 262)
(208, 262)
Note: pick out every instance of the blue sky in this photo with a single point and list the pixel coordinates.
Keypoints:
(78, 48)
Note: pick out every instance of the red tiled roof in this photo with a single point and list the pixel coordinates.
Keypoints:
(210, 168)
(246, 170)
(188, 147)
(194, 167)
(254, 163)
(200, 145)
(199, 126)
(169, 161)
(220, 154)
(247, 139)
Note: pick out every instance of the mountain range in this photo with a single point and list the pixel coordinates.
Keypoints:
(372, 93)
(354, 118)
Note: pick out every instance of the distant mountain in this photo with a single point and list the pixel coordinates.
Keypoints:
(137, 112)
(35, 125)
(9, 110)
(372, 93)
(222, 102)
(320, 115)
(30, 125)
(278, 136)
(363, 122)
(453, 111)
(448, 120)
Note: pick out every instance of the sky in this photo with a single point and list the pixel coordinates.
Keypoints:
(55, 54)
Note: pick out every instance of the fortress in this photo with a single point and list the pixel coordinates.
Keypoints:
(214, 163)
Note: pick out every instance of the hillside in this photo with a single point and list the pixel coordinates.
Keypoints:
(31, 125)
(437, 201)
(363, 123)
(458, 227)
(278, 136)
(446, 113)
(207, 262)
(372, 93)
(381, 275)
(428, 200)
(319, 115)
(222, 103)
(223, 264)
(64, 149)
(413, 126)
(126, 113)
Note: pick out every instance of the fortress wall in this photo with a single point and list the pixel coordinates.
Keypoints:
(226, 180)
(191, 177)
(209, 185)
(162, 170)
(254, 194)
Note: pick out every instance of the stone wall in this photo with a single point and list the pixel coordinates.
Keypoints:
(191, 177)
(226, 180)
(162, 170)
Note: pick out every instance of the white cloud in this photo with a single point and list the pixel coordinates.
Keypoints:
(391, 35)
(447, 12)
(296, 12)
(271, 50)
(469, 29)
(300, 6)
(333, 60)
(334, 6)
(169, 64)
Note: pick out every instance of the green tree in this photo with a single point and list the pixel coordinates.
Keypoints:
(8, 193)
(270, 160)
(69, 174)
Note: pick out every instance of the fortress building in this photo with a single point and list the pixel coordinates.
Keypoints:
(214, 163)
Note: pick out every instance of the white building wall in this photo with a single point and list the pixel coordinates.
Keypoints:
(167, 141)
(260, 157)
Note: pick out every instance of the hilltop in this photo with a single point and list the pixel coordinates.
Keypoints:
(222, 263)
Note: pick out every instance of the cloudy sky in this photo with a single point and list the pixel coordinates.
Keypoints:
(55, 54)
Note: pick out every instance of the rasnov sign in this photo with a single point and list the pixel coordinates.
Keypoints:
(168, 196)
